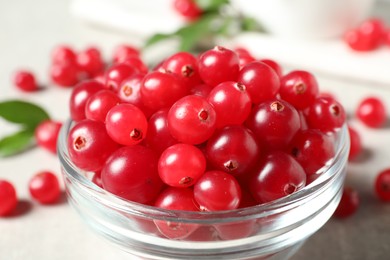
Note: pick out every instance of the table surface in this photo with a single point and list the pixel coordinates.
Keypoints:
(28, 32)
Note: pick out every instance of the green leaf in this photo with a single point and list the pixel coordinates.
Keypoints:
(156, 38)
(211, 5)
(22, 112)
(16, 143)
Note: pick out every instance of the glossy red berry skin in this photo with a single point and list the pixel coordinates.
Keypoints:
(279, 175)
(79, 97)
(349, 203)
(218, 65)
(63, 54)
(299, 88)
(192, 120)
(126, 124)
(326, 115)
(161, 89)
(89, 145)
(8, 198)
(115, 74)
(387, 37)
(276, 66)
(367, 37)
(99, 104)
(355, 143)
(44, 187)
(64, 74)
(233, 149)
(371, 111)
(158, 136)
(260, 80)
(123, 52)
(46, 135)
(217, 190)
(181, 165)
(202, 90)
(274, 123)
(231, 102)
(176, 199)
(138, 64)
(25, 81)
(382, 185)
(312, 149)
(188, 9)
(131, 173)
(90, 61)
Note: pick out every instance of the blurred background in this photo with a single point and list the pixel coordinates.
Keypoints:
(300, 34)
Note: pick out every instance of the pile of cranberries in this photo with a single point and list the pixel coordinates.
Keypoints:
(218, 131)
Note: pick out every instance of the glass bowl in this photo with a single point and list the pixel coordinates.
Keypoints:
(273, 230)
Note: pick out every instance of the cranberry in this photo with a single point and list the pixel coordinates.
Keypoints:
(273, 64)
(131, 173)
(382, 185)
(126, 124)
(236, 230)
(371, 111)
(64, 74)
(123, 52)
(189, 9)
(274, 123)
(181, 165)
(387, 37)
(90, 61)
(63, 54)
(368, 36)
(279, 175)
(260, 80)
(97, 179)
(25, 81)
(244, 56)
(89, 145)
(312, 149)
(192, 120)
(46, 135)
(356, 143)
(8, 199)
(299, 88)
(217, 190)
(117, 73)
(44, 187)
(325, 114)
(185, 65)
(218, 65)
(138, 64)
(99, 104)
(349, 203)
(130, 90)
(79, 98)
(176, 199)
(227, 99)
(233, 149)
(202, 90)
(161, 89)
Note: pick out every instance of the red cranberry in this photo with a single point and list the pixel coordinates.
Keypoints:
(46, 135)
(349, 203)
(25, 81)
(90, 61)
(44, 187)
(8, 198)
(371, 111)
(188, 9)
(64, 74)
(356, 143)
(382, 185)
(99, 104)
(123, 52)
(63, 54)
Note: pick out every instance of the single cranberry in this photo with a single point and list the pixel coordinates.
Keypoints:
(123, 52)
(64, 74)
(274, 123)
(325, 114)
(131, 173)
(130, 90)
(46, 135)
(79, 97)
(371, 111)
(299, 88)
(244, 56)
(279, 175)
(158, 136)
(260, 80)
(185, 65)
(161, 89)
(367, 37)
(44, 187)
(217, 190)
(126, 124)
(231, 102)
(117, 73)
(90, 61)
(181, 165)
(382, 185)
(89, 145)
(202, 90)
(8, 198)
(356, 143)
(218, 65)
(99, 104)
(349, 203)
(25, 81)
(273, 64)
(189, 9)
(312, 149)
(192, 120)
(387, 37)
(138, 64)
(63, 54)
(233, 149)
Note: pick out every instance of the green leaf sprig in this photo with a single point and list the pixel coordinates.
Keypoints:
(28, 116)
(215, 21)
